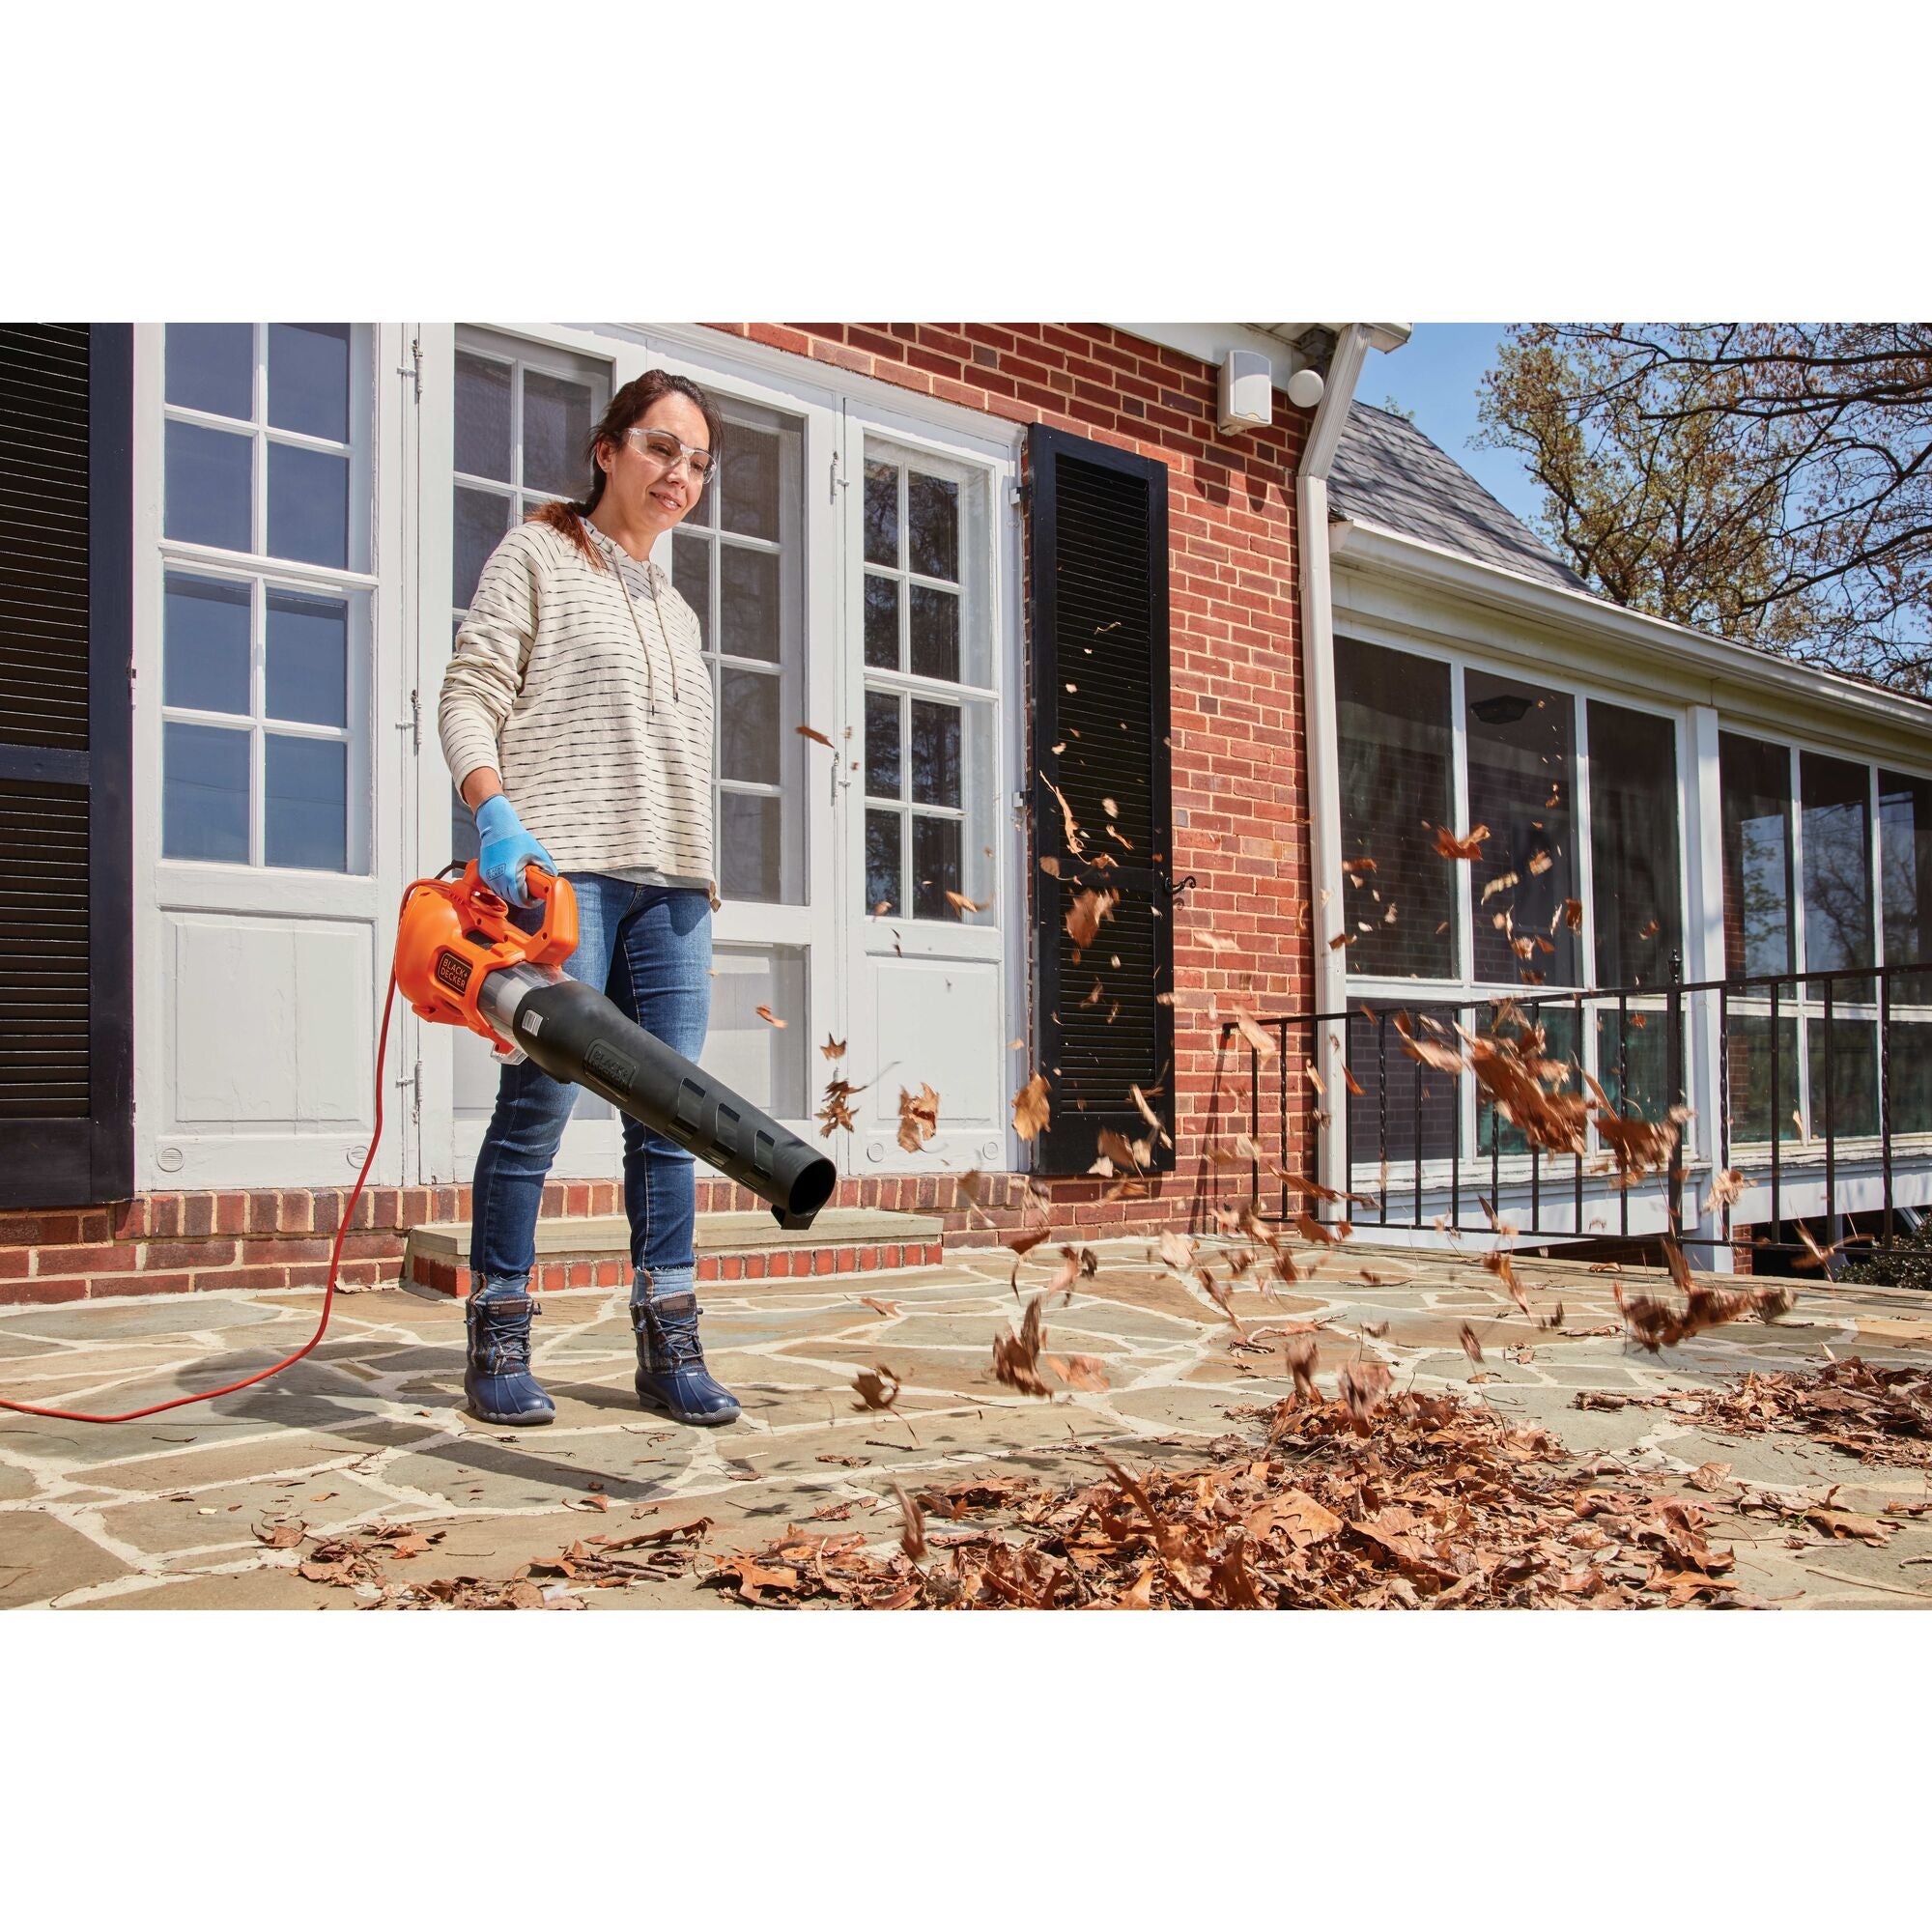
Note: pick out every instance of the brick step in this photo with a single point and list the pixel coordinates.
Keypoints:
(594, 1251)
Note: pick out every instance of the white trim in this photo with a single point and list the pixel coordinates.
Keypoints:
(1745, 682)
(1211, 342)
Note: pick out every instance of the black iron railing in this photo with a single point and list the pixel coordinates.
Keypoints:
(1799, 1082)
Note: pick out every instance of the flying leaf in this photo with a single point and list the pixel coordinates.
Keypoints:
(817, 737)
(876, 1388)
(832, 1049)
(919, 1117)
(1450, 846)
(1031, 1112)
(769, 1017)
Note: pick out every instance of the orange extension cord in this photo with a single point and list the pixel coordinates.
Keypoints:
(328, 1294)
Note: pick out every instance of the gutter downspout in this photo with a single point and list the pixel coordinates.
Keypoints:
(1317, 711)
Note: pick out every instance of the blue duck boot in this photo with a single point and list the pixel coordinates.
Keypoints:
(672, 1376)
(497, 1379)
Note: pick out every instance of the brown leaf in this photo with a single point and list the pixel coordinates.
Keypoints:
(769, 1017)
(888, 1309)
(832, 1049)
(817, 737)
(1450, 846)
(913, 1539)
(1022, 1245)
(1176, 1250)
(1471, 1345)
(283, 1536)
(919, 1117)
(1082, 1372)
(1016, 1357)
(1083, 918)
(963, 905)
(1031, 1113)
(876, 1388)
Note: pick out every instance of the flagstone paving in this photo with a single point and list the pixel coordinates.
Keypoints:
(164, 1513)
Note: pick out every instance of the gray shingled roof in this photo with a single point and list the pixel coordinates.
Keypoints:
(1388, 473)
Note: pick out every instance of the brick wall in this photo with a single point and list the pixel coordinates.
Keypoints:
(1239, 789)
(1239, 813)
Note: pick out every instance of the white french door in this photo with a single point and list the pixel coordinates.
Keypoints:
(784, 560)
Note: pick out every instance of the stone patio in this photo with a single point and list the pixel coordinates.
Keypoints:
(164, 1513)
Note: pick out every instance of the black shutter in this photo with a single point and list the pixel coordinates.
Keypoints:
(1097, 595)
(66, 944)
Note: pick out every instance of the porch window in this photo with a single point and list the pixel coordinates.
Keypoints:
(266, 595)
(1392, 722)
(930, 754)
(1522, 761)
(1755, 781)
(1905, 871)
(1636, 891)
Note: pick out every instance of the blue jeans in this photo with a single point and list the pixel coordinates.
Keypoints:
(647, 948)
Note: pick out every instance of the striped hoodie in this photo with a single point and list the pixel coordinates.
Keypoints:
(602, 736)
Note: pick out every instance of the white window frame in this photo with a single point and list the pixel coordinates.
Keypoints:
(264, 574)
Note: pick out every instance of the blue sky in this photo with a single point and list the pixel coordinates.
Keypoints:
(1436, 373)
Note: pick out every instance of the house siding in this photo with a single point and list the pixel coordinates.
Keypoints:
(1240, 810)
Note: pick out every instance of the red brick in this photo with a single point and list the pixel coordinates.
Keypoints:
(41, 1290)
(248, 1277)
(610, 1274)
(102, 1286)
(128, 1220)
(755, 1266)
(413, 1211)
(38, 1231)
(105, 1257)
(707, 1267)
(730, 1267)
(190, 1254)
(377, 1244)
(778, 1266)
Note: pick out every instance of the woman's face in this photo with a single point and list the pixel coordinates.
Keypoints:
(646, 494)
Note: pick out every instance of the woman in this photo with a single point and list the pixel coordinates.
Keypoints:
(576, 717)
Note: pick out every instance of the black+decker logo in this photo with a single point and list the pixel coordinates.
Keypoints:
(453, 971)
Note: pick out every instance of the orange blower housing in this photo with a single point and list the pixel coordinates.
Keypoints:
(455, 932)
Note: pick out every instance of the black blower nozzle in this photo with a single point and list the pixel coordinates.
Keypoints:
(576, 1033)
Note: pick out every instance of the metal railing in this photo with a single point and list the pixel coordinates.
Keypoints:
(1807, 1079)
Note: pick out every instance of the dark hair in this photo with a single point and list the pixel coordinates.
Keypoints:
(627, 408)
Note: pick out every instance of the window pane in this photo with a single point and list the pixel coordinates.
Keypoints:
(1404, 1108)
(748, 484)
(935, 634)
(883, 772)
(1559, 1042)
(308, 506)
(1392, 720)
(208, 487)
(1634, 846)
(748, 846)
(1837, 868)
(482, 521)
(483, 418)
(210, 365)
(1755, 781)
(882, 623)
(1848, 1103)
(1911, 1077)
(935, 866)
(935, 753)
(691, 575)
(1755, 1104)
(1905, 848)
(882, 514)
(307, 799)
(1634, 1062)
(882, 863)
(1522, 758)
(932, 517)
(308, 378)
(204, 793)
(748, 719)
(307, 666)
(748, 598)
(205, 651)
(556, 435)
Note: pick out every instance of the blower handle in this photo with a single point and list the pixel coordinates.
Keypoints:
(556, 938)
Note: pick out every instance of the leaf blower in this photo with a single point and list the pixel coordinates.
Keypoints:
(461, 962)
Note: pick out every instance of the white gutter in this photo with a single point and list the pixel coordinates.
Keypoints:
(1328, 902)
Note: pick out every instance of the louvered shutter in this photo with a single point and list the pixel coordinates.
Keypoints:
(1097, 614)
(65, 729)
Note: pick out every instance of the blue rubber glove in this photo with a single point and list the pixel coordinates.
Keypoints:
(507, 848)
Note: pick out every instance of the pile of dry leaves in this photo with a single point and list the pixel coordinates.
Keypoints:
(1374, 1500)
(1880, 1415)
(592, 1562)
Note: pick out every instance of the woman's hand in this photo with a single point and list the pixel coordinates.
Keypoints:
(507, 848)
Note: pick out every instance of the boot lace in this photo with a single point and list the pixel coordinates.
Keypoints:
(504, 1339)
